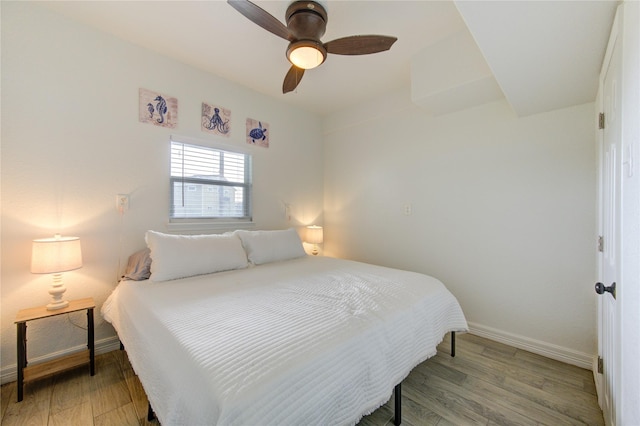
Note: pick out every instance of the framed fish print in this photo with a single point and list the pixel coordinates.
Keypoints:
(157, 109)
(257, 133)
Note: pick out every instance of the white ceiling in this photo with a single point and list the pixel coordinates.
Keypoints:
(543, 55)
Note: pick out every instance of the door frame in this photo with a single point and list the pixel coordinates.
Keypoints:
(614, 37)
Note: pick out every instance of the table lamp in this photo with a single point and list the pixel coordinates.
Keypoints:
(55, 256)
(315, 237)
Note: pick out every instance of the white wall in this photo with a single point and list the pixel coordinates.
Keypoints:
(71, 141)
(503, 211)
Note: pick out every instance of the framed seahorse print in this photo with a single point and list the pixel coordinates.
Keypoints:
(216, 120)
(157, 109)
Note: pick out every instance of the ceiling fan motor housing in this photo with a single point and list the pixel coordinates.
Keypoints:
(306, 20)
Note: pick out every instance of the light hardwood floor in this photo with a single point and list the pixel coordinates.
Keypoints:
(487, 383)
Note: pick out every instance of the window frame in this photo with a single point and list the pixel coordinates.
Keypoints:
(204, 222)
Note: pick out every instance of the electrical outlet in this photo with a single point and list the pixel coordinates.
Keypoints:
(408, 209)
(122, 202)
(287, 212)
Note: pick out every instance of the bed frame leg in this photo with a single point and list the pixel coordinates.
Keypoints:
(397, 395)
(150, 414)
(453, 344)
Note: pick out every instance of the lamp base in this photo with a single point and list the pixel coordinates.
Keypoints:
(56, 291)
(57, 305)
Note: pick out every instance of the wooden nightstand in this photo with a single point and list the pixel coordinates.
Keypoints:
(26, 374)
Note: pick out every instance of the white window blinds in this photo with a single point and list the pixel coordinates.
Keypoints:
(209, 183)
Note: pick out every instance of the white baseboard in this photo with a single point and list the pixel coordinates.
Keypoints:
(10, 373)
(559, 353)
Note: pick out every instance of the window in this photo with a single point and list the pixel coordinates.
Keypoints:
(209, 183)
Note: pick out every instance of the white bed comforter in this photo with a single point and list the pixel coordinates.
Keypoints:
(310, 341)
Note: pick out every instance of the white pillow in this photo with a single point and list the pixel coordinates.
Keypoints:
(271, 246)
(179, 256)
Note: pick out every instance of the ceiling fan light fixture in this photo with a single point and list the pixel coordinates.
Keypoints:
(306, 54)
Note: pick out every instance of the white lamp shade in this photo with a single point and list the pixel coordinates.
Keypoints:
(54, 255)
(314, 234)
(306, 57)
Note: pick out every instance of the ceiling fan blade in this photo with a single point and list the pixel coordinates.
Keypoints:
(360, 44)
(292, 79)
(261, 17)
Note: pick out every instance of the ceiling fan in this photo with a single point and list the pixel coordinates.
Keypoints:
(306, 23)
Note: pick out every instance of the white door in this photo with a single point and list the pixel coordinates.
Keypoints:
(609, 336)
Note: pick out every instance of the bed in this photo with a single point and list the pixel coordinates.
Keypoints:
(246, 329)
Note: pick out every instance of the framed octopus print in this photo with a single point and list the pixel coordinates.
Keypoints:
(157, 109)
(257, 133)
(216, 120)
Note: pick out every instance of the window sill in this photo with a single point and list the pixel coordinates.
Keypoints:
(216, 227)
